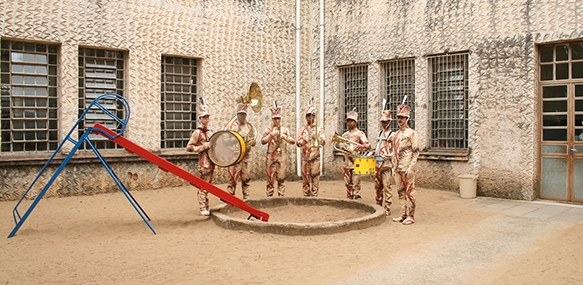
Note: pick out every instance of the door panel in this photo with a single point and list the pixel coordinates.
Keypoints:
(578, 179)
(561, 118)
(554, 177)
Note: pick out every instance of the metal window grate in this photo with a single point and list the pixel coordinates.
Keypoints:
(354, 84)
(179, 92)
(398, 81)
(101, 71)
(449, 101)
(29, 117)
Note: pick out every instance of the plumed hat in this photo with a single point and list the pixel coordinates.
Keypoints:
(202, 109)
(386, 115)
(404, 111)
(352, 115)
(242, 108)
(275, 111)
(310, 109)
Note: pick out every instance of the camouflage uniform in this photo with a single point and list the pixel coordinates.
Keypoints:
(241, 170)
(199, 143)
(310, 155)
(404, 160)
(351, 181)
(384, 176)
(276, 158)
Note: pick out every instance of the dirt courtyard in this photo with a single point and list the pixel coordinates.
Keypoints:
(102, 240)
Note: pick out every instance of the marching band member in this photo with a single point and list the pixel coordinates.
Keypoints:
(384, 152)
(199, 143)
(406, 151)
(241, 170)
(351, 181)
(276, 137)
(310, 139)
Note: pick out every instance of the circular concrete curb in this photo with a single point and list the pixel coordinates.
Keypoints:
(376, 217)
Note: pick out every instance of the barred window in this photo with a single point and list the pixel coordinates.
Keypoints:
(29, 117)
(179, 93)
(449, 101)
(101, 71)
(398, 81)
(354, 88)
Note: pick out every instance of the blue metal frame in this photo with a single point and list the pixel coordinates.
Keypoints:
(19, 220)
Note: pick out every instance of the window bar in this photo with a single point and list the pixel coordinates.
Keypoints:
(400, 82)
(355, 90)
(179, 94)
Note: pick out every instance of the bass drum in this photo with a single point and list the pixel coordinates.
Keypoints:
(226, 148)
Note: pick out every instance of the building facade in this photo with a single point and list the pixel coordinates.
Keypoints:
(496, 88)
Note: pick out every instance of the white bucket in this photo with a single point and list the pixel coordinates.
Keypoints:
(468, 185)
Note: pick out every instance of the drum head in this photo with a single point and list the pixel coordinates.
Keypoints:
(226, 148)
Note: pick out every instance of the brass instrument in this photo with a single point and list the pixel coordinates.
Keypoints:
(314, 139)
(255, 99)
(344, 145)
(278, 148)
(229, 147)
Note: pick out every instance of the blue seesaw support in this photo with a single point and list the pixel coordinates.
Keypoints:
(94, 105)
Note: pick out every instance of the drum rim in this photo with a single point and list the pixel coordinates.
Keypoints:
(242, 148)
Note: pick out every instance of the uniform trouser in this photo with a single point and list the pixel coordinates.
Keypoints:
(406, 189)
(206, 175)
(382, 179)
(352, 183)
(311, 177)
(275, 170)
(236, 172)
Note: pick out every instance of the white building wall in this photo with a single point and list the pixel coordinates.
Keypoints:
(501, 37)
(244, 41)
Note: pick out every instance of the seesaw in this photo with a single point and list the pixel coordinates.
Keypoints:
(131, 147)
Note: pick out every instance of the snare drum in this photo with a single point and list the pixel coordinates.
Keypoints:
(365, 166)
(226, 148)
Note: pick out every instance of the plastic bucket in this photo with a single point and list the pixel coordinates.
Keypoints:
(468, 185)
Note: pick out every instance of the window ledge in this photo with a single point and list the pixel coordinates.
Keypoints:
(87, 156)
(443, 154)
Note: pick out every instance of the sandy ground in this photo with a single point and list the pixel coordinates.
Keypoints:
(102, 240)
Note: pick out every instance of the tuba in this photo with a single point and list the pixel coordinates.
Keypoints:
(229, 147)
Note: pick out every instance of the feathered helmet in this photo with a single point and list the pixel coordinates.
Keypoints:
(352, 115)
(275, 111)
(404, 110)
(202, 109)
(242, 107)
(310, 109)
(386, 115)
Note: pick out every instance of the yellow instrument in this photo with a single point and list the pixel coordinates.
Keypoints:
(365, 165)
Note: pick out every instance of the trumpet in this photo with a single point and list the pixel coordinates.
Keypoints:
(344, 145)
(314, 141)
